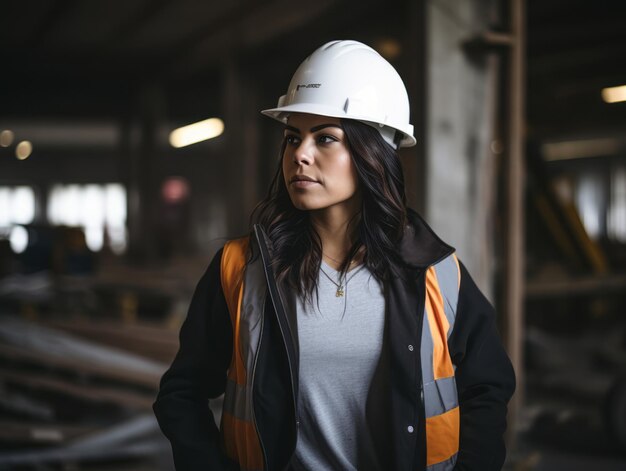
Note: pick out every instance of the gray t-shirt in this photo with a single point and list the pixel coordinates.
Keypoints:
(343, 376)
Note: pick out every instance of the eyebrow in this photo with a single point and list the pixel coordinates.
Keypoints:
(314, 128)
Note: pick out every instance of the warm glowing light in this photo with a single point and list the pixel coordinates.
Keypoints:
(6, 138)
(389, 48)
(175, 189)
(23, 150)
(196, 132)
(614, 94)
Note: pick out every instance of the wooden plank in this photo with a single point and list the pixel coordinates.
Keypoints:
(148, 340)
(17, 354)
(35, 344)
(582, 286)
(40, 433)
(515, 179)
(98, 393)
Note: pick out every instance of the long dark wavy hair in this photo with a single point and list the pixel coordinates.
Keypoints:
(376, 229)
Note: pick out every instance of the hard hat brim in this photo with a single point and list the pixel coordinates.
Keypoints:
(282, 113)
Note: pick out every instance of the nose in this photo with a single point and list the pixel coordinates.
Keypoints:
(302, 154)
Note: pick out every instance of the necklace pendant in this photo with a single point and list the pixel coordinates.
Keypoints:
(339, 292)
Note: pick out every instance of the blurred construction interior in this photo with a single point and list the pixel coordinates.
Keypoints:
(105, 226)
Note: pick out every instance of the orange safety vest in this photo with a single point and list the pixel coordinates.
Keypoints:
(245, 290)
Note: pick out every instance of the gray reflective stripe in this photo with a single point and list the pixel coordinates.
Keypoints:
(236, 402)
(238, 398)
(440, 396)
(426, 352)
(254, 292)
(444, 465)
(448, 279)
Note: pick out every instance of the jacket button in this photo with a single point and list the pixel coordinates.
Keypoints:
(410, 348)
(410, 429)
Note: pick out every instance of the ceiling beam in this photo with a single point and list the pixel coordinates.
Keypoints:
(251, 24)
(58, 10)
(556, 63)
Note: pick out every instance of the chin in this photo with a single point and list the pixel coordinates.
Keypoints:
(303, 205)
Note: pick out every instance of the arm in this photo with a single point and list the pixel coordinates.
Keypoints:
(198, 373)
(485, 380)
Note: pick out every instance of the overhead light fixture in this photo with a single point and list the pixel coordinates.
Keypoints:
(6, 138)
(580, 149)
(196, 132)
(23, 150)
(614, 94)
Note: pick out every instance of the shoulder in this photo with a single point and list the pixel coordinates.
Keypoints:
(229, 258)
(235, 249)
(420, 246)
(233, 260)
(234, 254)
(470, 294)
(447, 273)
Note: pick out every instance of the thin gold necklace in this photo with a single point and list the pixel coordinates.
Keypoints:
(335, 260)
(340, 286)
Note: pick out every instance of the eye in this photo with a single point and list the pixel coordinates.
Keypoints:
(292, 139)
(326, 139)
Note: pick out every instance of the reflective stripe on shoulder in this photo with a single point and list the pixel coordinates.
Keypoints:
(449, 279)
(435, 331)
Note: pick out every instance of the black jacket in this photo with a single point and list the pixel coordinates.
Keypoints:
(484, 375)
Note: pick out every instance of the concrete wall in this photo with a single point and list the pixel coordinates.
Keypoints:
(460, 183)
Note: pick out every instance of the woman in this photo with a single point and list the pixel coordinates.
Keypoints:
(343, 332)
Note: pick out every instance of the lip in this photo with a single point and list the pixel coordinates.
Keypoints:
(302, 178)
(302, 181)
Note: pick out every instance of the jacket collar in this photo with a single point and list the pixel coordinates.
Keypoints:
(420, 247)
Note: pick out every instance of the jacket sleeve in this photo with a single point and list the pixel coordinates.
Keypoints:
(198, 373)
(485, 380)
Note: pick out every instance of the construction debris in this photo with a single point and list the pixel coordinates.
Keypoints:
(72, 393)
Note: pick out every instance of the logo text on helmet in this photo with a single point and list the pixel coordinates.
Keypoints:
(308, 85)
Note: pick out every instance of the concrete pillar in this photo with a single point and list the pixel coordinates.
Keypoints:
(460, 179)
(413, 71)
(241, 133)
(140, 142)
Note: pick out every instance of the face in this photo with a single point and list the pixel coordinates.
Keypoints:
(318, 168)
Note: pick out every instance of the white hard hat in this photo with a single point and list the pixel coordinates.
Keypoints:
(348, 79)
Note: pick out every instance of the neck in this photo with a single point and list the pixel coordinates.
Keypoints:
(335, 227)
